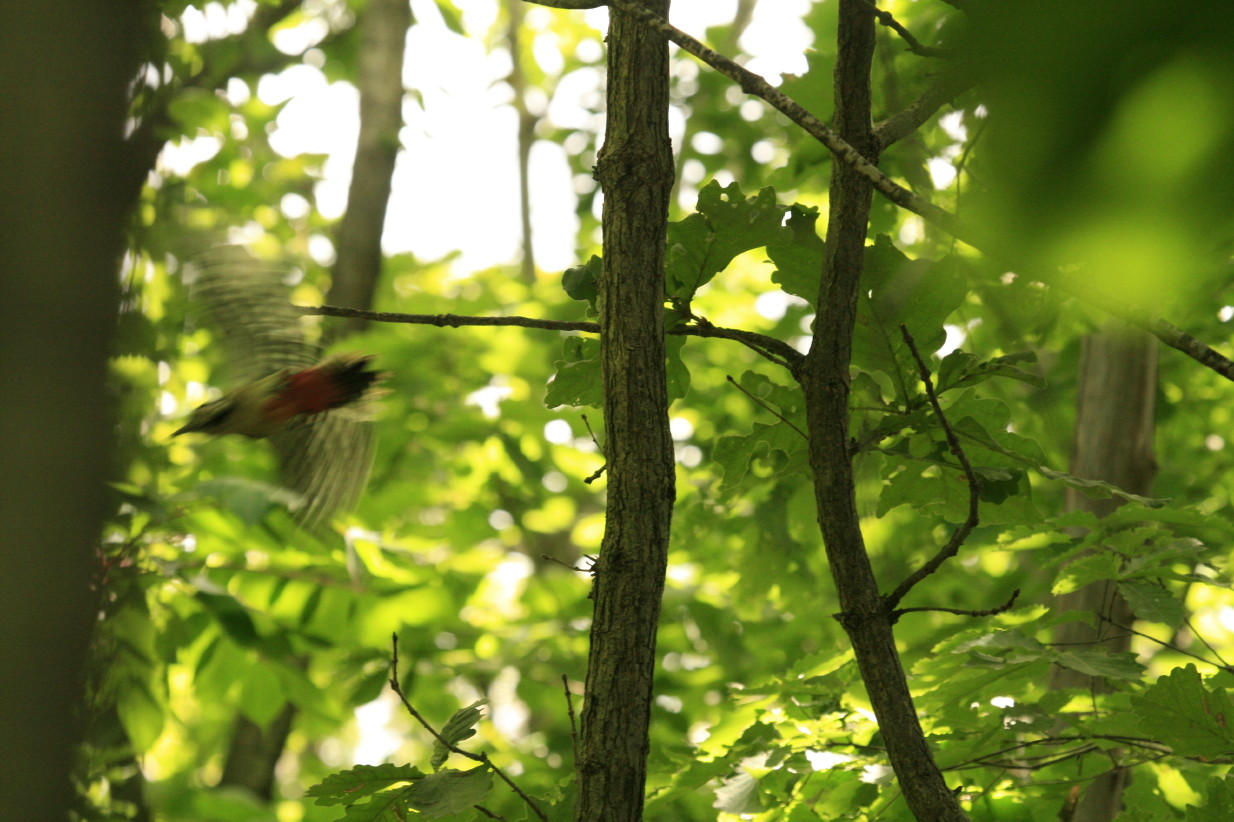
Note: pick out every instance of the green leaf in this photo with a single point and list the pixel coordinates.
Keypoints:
(140, 713)
(451, 17)
(1098, 489)
(738, 794)
(1219, 803)
(231, 615)
(459, 727)
(582, 282)
(725, 224)
(577, 381)
(1098, 661)
(261, 694)
(897, 290)
(959, 369)
(799, 259)
(1085, 570)
(449, 792)
(349, 786)
(1152, 602)
(1181, 712)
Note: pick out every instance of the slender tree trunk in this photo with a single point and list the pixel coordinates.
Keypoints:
(383, 34)
(864, 615)
(635, 168)
(1113, 442)
(526, 134)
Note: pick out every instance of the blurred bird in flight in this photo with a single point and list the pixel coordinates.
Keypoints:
(312, 410)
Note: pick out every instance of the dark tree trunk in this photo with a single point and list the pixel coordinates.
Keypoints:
(825, 378)
(64, 75)
(635, 168)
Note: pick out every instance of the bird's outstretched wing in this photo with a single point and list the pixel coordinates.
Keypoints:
(247, 302)
(325, 458)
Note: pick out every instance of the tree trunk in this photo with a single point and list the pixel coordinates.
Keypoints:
(864, 615)
(383, 35)
(64, 75)
(635, 168)
(1113, 442)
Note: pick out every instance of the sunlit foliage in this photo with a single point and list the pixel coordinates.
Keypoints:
(1108, 150)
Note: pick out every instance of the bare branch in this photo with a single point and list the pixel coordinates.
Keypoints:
(1006, 606)
(570, 5)
(778, 351)
(767, 407)
(1219, 666)
(482, 758)
(974, 488)
(914, 45)
(903, 123)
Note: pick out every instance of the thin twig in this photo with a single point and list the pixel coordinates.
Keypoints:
(914, 45)
(1204, 641)
(1164, 644)
(777, 351)
(570, 5)
(595, 475)
(565, 686)
(566, 565)
(1006, 606)
(482, 758)
(974, 486)
(592, 434)
(767, 407)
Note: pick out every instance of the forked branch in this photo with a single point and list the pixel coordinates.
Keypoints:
(974, 487)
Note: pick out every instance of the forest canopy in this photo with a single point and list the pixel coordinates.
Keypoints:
(918, 337)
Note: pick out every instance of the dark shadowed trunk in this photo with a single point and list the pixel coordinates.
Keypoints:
(635, 168)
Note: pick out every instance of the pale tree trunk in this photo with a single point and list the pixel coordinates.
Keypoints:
(526, 134)
(383, 36)
(1113, 441)
(635, 169)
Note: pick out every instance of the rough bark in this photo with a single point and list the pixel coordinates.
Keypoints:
(635, 168)
(383, 35)
(1113, 442)
(64, 75)
(825, 377)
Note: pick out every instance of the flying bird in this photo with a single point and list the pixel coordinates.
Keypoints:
(313, 410)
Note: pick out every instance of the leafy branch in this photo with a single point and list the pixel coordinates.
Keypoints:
(447, 743)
